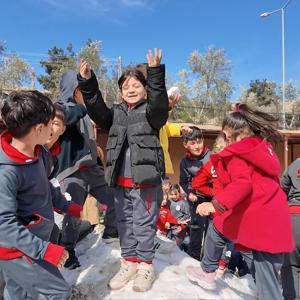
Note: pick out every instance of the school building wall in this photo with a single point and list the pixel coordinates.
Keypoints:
(177, 151)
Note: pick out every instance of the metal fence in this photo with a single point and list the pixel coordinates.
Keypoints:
(214, 116)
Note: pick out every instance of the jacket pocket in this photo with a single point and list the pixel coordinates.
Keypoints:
(146, 141)
(111, 143)
(148, 152)
(111, 154)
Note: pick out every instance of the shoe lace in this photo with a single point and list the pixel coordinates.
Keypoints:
(123, 270)
(144, 273)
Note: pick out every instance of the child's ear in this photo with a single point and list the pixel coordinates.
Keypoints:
(63, 130)
(39, 128)
(185, 145)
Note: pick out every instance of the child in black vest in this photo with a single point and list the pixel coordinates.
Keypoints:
(135, 163)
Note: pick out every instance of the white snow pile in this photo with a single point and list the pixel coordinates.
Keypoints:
(100, 261)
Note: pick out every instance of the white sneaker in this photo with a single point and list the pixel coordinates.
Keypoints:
(126, 273)
(144, 278)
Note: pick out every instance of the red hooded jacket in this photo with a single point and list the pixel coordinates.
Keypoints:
(165, 216)
(255, 210)
(206, 181)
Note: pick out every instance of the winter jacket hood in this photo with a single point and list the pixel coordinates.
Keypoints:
(78, 146)
(256, 151)
(68, 85)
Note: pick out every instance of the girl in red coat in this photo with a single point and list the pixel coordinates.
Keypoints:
(166, 219)
(252, 209)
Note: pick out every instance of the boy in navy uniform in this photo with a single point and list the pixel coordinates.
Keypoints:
(28, 258)
(196, 156)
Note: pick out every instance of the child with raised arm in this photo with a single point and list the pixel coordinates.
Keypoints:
(135, 163)
(27, 257)
(180, 209)
(78, 171)
(166, 219)
(251, 210)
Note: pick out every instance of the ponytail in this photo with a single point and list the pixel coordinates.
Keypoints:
(259, 123)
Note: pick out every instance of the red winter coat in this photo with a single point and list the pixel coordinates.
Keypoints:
(164, 217)
(256, 212)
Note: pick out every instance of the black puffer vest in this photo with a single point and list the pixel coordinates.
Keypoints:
(147, 159)
(137, 128)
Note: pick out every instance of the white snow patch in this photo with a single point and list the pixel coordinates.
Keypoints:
(100, 261)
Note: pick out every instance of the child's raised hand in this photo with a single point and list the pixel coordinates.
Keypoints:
(154, 60)
(173, 100)
(185, 130)
(85, 70)
(205, 209)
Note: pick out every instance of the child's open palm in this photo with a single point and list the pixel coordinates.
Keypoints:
(85, 70)
(154, 60)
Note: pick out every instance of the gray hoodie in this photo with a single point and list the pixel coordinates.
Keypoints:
(78, 145)
(290, 182)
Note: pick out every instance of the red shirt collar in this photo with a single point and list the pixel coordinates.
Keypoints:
(189, 155)
(55, 149)
(13, 153)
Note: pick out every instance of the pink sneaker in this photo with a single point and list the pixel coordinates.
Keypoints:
(202, 278)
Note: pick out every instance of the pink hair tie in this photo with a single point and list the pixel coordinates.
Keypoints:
(237, 107)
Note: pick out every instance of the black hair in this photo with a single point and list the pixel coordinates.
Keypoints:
(24, 109)
(195, 134)
(143, 68)
(132, 72)
(166, 180)
(60, 112)
(259, 123)
(174, 187)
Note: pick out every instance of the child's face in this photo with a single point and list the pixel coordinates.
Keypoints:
(220, 145)
(228, 132)
(166, 187)
(58, 128)
(174, 195)
(230, 138)
(44, 133)
(194, 146)
(132, 90)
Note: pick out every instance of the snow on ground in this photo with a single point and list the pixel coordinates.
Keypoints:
(100, 261)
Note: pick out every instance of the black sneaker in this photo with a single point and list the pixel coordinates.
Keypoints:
(196, 255)
(85, 229)
(242, 272)
(72, 262)
(110, 236)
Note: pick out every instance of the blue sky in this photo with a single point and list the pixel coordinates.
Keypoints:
(130, 27)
